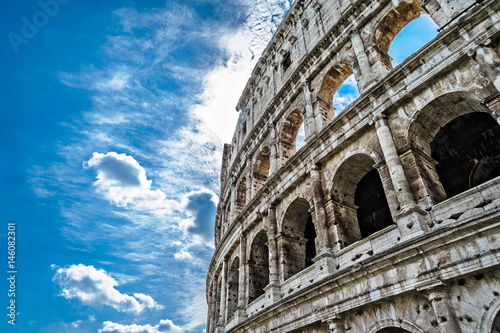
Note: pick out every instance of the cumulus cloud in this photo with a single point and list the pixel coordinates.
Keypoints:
(183, 255)
(200, 207)
(94, 287)
(123, 181)
(165, 326)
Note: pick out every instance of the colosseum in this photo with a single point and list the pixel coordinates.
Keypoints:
(387, 218)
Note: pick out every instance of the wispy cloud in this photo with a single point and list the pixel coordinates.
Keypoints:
(94, 287)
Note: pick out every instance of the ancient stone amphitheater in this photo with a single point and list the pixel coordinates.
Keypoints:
(387, 219)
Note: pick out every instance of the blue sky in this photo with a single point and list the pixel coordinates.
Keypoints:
(112, 123)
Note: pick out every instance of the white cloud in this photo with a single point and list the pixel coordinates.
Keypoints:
(224, 84)
(123, 181)
(165, 326)
(96, 288)
(183, 255)
(76, 323)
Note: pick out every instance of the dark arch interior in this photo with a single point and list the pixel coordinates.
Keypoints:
(258, 267)
(467, 151)
(233, 287)
(373, 210)
(310, 235)
(393, 330)
(297, 241)
(495, 328)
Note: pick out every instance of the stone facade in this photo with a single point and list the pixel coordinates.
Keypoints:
(388, 219)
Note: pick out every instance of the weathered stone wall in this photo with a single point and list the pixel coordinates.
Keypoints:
(431, 264)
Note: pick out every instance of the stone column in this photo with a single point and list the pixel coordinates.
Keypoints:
(445, 314)
(273, 155)
(398, 177)
(410, 219)
(249, 180)
(320, 107)
(273, 249)
(223, 300)
(272, 290)
(309, 119)
(364, 63)
(240, 313)
(320, 211)
(273, 159)
(232, 204)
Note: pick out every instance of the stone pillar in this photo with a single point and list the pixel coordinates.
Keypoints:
(334, 229)
(249, 184)
(398, 177)
(273, 249)
(364, 64)
(410, 219)
(321, 107)
(490, 63)
(232, 204)
(240, 313)
(320, 211)
(272, 290)
(445, 314)
(336, 325)
(309, 119)
(223, 300)
(273, 159)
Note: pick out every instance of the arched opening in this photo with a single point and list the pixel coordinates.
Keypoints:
(261, 169)
(296, 241)
(289, 133)
(392, 24)
(467, 152)
(393, 330)
(340, 75)
(241, 194)
(232, 287)
(495, 328)
(359, 200)
(412, 37)
(455, 141)
(301, 138)
(258, 267)
(345, 94)
(373, 210)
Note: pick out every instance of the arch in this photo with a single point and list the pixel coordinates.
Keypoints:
(233, 287)
(258, 263)
(261, 168)
(332, 81)
(360, 203)
(490, 321)
(458, 141)
(389, 325)
(391, 24)
(241, 194)
(289, 132)
(296, 241)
